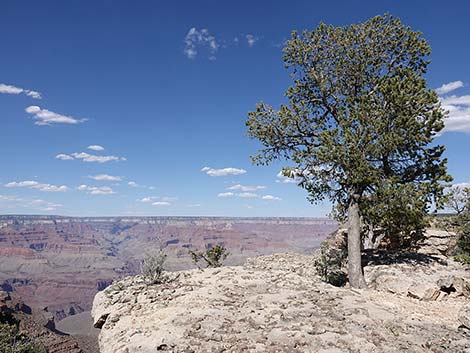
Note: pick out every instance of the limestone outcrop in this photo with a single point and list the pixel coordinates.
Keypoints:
(277, 303)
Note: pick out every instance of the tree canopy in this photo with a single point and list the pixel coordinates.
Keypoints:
(359, 122)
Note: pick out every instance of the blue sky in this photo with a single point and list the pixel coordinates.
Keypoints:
(165, 87)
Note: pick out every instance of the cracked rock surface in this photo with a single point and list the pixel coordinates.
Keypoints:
(276, 303)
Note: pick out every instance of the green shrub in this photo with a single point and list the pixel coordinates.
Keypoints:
(152, 268)
(463, 258)
(12, 341)
(212, 257)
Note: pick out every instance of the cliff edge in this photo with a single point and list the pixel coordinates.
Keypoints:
(278, 304)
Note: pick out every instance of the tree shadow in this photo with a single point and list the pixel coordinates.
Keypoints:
(383, 257)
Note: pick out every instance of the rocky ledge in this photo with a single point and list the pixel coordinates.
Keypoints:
(277, 304)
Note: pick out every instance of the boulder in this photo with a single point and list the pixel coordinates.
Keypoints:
(436, 242)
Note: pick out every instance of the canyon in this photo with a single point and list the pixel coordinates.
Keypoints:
(58, 264)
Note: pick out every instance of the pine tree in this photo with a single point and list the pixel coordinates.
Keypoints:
(360, 118)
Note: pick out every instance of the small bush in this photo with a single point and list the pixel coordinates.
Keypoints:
(212, 257)
(463, 258)
(12, 341)
(152, 268)
(328, 266)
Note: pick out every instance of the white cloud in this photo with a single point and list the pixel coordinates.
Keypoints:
(456, 100)
(133, 184)
(246, 187)
(36, 185)
(94, 158)
(244, 195)
(150, 199)
(458, 107)
(449, 87)
(33, 94)
(458, 120)
(271, 198)
(96, 148)
(251, 39)
(86, 157)
(96, 190)
(199, 38)
(225, 194)
(8, 89)
(247, 195)
(64, 157)
(194, 205)
(105, 177)
(161, 203)
(222, 172)
(46, 117)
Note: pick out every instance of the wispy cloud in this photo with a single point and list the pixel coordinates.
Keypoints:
(161, 203)
(271, 198)
(31, 184)
(458, 107)
(45, 205)
(225, 194)
(244, 195)
(251, 39)
(247, 195)
(36, 204)
(222, 172)
(246, 187)
(105, 177)
(96, 148)
(46, 117)
(134, 184)
(8, 89)
(152, 199)
(96, 190)
(194, 205)
(86, 157)
(64, 157)
(200, 38)
(449, 87)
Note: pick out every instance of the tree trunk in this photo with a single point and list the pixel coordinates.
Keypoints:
(372, 238)
(355, 274)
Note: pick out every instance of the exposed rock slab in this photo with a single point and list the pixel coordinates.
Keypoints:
(437, 242)
(272, 304)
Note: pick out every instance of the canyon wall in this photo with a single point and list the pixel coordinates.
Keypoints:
(59, 263)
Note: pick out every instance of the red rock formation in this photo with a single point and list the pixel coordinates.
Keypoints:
(60, 263)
